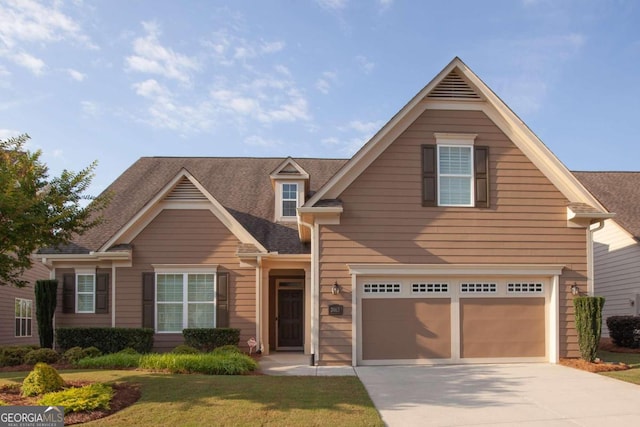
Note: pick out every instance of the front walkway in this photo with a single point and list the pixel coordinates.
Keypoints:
(299, 364)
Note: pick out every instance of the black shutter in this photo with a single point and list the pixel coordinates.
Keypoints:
(481, 163)
(68, 293)
(102, 293)
(222, 301)
(148, 300)
(429, 176)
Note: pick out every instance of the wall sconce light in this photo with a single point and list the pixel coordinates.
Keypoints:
(575, 290)
(335, 289)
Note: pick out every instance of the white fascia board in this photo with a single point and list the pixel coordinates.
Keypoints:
(456, 269)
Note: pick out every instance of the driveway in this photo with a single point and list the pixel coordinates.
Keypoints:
(488, 395)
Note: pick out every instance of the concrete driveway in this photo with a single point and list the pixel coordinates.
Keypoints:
(504, 395)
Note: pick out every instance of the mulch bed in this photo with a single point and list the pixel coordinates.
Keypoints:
(606, 344)
(125, 395)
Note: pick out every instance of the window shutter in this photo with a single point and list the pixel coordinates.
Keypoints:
(68, 293)
(481, 163)
(102, 293)
(148, 300)
(429, 176)
(222, 301)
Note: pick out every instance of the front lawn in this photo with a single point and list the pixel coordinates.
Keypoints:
(233, 400)
(632, 359)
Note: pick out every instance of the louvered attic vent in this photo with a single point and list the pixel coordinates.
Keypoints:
(453, 87)
(185, 191)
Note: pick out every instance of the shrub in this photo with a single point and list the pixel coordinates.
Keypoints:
(128, 350)
(108, 340)
(46, 300)
(185, 349)
(73, 354)
(227, 349)
(91, 352)
(14, 355)
(588, 314)
(206, 339)
(42, 379)
(87, 398)
(110, 361)
(205, 363)
(44, 355)
(624, 330)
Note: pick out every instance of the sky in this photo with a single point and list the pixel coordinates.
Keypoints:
(115, 80)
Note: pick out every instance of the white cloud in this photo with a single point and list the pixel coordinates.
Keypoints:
(90, 108)
(364, 127)
(27, 22)
(228, 48)
(364, 63)
(152, 58)
(9, 133)
(258, 141)
(385, 4)
(76, 75)
(324, 83)
(333, 4)
(151, 89)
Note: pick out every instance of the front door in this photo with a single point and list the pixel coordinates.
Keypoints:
(290, 316)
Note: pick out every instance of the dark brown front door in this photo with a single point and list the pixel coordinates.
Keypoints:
(290, 318)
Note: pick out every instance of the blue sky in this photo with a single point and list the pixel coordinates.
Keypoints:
(116, 80)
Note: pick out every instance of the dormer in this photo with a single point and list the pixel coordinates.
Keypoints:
(290, 182)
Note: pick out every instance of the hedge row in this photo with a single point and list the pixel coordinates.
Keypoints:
(206, 339)
(108, 340)
(624, 330)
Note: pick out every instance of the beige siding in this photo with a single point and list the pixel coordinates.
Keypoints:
(617, 272)
(8, 295)
(186, 237)
(89, 320)
(384, 222)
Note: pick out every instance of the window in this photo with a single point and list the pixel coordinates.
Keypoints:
(381, 288)
(455, 172)
(23, 313)
(289, 199)
(455, 176)
(85, 293)
(185, 300)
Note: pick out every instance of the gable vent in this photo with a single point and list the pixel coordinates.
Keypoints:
(453, 87)
(185, 190)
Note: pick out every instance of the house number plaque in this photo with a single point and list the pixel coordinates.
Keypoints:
(336, 310)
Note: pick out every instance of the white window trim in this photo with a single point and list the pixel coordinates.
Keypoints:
(456, 140)
(185, 272)
(21, 317)
(92, 293)
(279, 199)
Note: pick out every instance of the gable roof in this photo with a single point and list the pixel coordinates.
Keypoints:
(456, 87)
(619, 192)
(241, 185)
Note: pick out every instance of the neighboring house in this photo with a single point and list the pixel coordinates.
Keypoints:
(18, 323)
(617, 243)
(453, 236)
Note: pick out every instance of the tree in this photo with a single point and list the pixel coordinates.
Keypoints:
(36, 211)
(588, 314)
(46, 300)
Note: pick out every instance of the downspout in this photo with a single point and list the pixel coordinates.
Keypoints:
(259, 301)
(314, 299)
(113, 295)
(590, 267)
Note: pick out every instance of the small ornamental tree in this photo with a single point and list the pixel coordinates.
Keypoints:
(45, 308)
(588, 315)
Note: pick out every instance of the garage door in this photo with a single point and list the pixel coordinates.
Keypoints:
(451, 320)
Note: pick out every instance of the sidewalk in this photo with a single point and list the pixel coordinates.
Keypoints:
(299, 365)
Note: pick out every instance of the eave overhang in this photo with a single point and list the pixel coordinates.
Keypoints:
(309, 216)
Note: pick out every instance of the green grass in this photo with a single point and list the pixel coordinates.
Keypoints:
(195, 400)
(632, 359)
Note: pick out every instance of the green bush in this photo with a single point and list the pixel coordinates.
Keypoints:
(185, 349)
(624, 330)
(44, 355)
(108, 340)
(227, 349)
(206, 363)
(77, 399)
(14, 355)
(206, 339)
(73, 354)
(588, 314)
(91, 352)
(42, 379)
(128, 350)
(110, 361)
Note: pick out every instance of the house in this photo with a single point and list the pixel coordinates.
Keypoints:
(18, 323)
(616, 245)
(453, 236)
